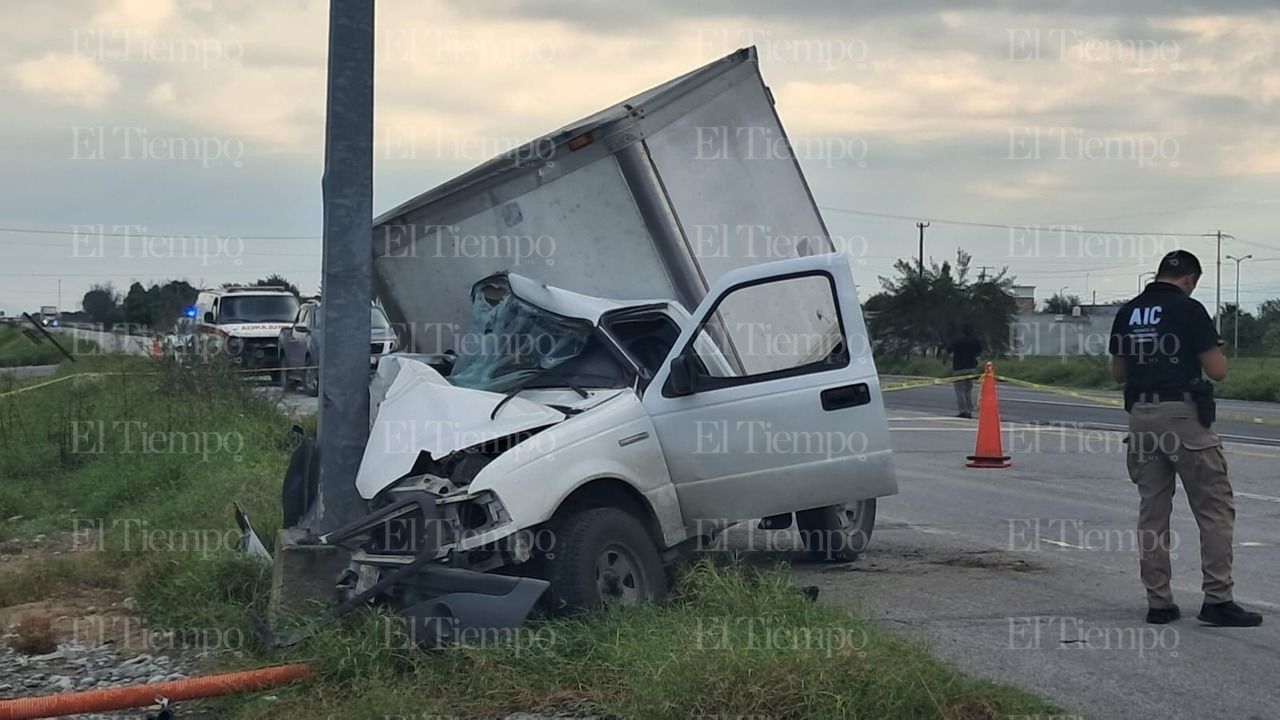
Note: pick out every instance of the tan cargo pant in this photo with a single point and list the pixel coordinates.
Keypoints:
(964, 390)
(1167, 439)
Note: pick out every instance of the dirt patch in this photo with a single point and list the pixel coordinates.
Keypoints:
(987, 560)
(920, 560)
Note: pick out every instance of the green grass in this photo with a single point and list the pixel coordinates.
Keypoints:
(18, 348)
(732, 640)
(1249, 378)
(143, 460)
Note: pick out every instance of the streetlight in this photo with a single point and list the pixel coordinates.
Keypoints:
(1217, 308)
(1235, 344)
(1142, 275)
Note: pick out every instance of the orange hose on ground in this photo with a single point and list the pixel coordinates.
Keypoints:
(123, 698)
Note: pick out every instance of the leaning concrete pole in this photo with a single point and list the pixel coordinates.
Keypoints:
(348, 262)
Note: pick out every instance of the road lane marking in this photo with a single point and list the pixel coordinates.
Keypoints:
(1061, 544)
(1254, 496)
(1235, 440)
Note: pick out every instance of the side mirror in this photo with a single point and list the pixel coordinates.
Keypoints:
(683, 371)
(301, 329)
(208, 317)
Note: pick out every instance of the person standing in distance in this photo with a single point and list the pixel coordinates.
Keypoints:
(964, 352)
(1161, 342)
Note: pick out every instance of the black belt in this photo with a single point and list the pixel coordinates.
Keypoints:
(1159, 397)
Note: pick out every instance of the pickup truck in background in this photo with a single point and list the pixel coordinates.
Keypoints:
(301, 350)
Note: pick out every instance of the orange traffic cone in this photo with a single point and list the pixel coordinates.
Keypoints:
(988, 453)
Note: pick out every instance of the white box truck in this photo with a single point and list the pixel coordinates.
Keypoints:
(683, 353)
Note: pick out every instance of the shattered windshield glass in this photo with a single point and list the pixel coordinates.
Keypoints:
(512, 341)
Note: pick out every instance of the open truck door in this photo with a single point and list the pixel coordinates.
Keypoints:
(757, 418)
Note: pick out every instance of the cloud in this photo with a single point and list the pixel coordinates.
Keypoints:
(136, 15)
(66, 78)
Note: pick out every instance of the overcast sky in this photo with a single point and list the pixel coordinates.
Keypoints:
(149, 119)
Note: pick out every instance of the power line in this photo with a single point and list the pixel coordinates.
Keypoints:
(143, 254)
(1002, 226)
(168, 274)
(147, 233)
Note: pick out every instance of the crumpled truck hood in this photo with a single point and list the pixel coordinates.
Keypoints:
(422, 412)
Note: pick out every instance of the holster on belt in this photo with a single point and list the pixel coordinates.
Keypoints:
(1201, 391)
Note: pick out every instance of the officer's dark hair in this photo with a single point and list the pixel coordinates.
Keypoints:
(1179, 263)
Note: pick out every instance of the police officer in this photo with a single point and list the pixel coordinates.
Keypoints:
(1161, 342)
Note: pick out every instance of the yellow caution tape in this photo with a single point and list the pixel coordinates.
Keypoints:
(1067, 392)
(927, 382)
(64, 378)
(889, 387)
(73, 376)
(1101, 400)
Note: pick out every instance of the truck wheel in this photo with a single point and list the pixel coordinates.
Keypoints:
(310, 378)
(602, 556)
(838, 533)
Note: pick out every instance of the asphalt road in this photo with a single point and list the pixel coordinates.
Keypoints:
(1029, 575)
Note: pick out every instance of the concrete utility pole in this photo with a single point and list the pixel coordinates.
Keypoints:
(348, 263)
(1235, 344)
(922, 226)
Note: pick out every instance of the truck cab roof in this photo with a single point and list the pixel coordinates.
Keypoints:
(567, 303)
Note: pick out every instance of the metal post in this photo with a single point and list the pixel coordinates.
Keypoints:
(922, 226)
(348, 263)
(1235, 343)
(1217, 308)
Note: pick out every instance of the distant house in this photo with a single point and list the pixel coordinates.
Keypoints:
(1085, 331)
(1025, 297)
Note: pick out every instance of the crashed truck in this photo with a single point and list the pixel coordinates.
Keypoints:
(619, 340)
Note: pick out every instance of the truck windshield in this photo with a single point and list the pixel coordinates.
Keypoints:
(258, 308)
(512, 343)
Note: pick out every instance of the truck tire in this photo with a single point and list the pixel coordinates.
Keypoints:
(310, 378)
(837, 533)
(602, 556)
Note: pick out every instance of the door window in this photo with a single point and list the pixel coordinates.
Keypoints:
(777, 328)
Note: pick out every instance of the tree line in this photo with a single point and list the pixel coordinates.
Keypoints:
(157, 307)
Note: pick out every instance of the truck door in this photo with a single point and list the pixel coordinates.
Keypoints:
(758, 418)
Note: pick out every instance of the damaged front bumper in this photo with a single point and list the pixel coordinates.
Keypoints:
(408, 553)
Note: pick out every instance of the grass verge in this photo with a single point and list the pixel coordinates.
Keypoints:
(20, 344)
(1249, 378)
(151, 515)
(734, 641)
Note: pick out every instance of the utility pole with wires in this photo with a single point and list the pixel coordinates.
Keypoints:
(1217, 307)
(922, 226)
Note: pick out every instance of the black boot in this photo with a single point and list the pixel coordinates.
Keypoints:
(1163, 616)
(1228, 614)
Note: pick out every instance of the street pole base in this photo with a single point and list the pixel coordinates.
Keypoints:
(303, 577)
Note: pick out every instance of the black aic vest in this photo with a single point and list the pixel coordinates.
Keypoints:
(1160, 334)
